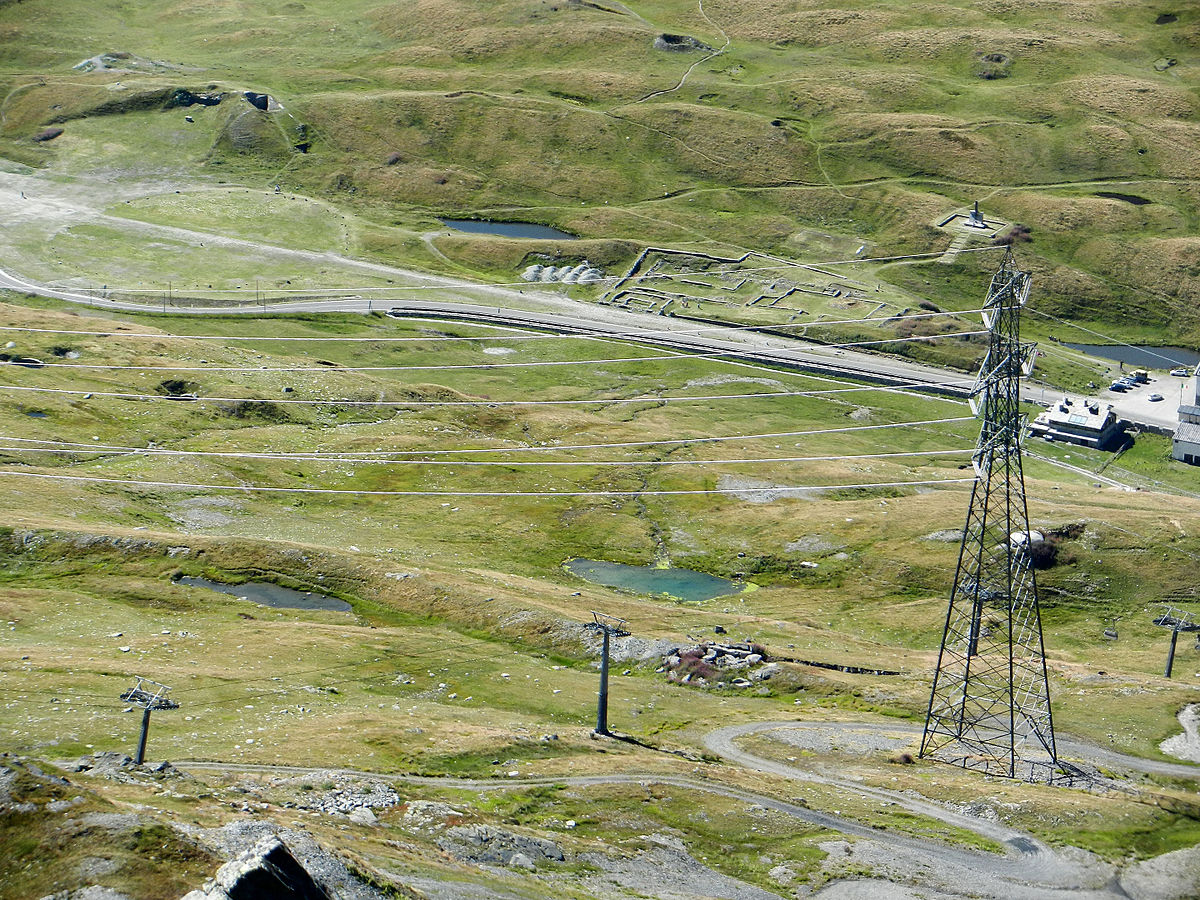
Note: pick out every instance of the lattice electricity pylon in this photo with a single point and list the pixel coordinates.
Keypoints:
(1177, 620)
(149, 695)
(990, 704)
(610, 627)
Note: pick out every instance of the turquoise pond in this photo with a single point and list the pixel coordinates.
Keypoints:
(682, 584)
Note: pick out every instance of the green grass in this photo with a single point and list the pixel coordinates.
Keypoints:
(860, 123)
(817, 131)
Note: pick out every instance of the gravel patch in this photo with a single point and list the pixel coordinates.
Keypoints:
(844, 739)
(667, 872)
(812, 543)
(1172, 876)
(874, 889)
(950, 535)
(717, 380)
(91, 892)
(1186, 745)
(204, 512)
(752, 490)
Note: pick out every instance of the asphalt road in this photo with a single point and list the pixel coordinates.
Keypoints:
(560, 314)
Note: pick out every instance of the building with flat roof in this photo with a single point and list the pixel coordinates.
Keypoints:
(1088, 423)
(1185, 446)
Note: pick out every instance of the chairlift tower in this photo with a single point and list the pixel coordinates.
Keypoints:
(989, 709)
(149, 695)
(1177, 620)
(609, 627)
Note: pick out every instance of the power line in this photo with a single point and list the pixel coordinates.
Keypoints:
(603, 401)
(683, 354)
(623, 335)
(665, 442)
(783, 489)
(298, 457)
(1106, 337)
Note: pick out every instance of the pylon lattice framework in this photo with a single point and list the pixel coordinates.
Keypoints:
(990, 704)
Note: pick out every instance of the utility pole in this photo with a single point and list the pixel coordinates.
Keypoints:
(989, 708)
(1177, 620)
(609, 627)
(149, 695)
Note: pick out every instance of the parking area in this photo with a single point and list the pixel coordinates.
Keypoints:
(1135, 404)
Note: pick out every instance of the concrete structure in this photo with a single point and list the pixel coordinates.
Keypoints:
(1088, 423)
(584, 273)
(1186, 444)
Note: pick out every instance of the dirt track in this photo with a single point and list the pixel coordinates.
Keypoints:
(1030, 870)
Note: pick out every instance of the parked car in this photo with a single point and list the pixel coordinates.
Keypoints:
(1119, 386)
(1181, 373)
(1154, 398)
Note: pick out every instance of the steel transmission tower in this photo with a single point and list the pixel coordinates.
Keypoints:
(990, 705)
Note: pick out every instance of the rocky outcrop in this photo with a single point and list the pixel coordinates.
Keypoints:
(495, 846)
(268, 869)
(184, 97)
(679, 43)
(258, 101)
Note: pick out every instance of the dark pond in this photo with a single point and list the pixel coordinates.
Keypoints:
(509, 229)
(1141, 357)
(1127, 198)
(267, 594)
(36, 414)
(681, 584)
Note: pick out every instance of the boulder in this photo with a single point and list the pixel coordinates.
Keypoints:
(268, 869)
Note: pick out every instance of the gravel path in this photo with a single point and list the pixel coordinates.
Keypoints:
(1030, 870)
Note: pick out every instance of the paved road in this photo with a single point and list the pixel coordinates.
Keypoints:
(559, 314)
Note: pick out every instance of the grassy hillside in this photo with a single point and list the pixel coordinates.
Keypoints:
(437, 476)
(865, 120)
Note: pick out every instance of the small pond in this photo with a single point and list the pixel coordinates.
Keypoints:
(509, 229)
(682, 584)
(267, 594)
(36, 414)
(1141, 357)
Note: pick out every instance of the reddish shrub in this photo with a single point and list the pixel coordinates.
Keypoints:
(48, 135)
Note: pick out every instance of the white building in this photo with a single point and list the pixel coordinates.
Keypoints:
(1088, 423)
(1186, 444)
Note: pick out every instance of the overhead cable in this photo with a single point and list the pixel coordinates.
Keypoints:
(684, 354)
(633, 492)
(707, 439)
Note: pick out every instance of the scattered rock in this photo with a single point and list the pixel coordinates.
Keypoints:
(812, 543)
(91, 892)
(429, 815)
(679, 43)
(347, 799)
(950, 535)
(489, 845)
